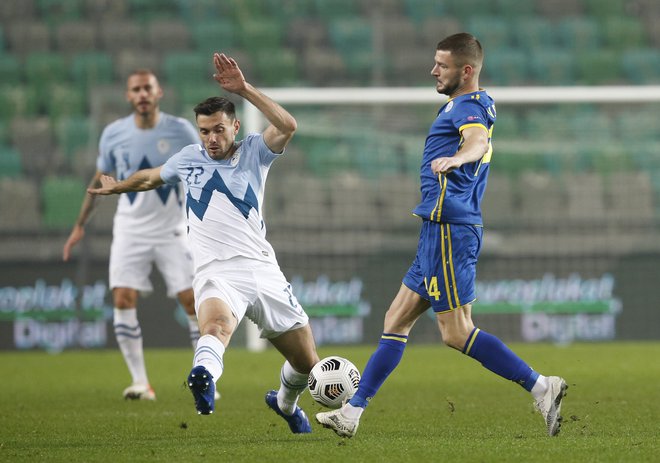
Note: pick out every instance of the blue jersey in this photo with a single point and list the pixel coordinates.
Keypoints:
(456, 197)
(124, 149)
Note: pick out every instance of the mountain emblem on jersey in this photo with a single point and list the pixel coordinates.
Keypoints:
(162, 191)
(216, 183)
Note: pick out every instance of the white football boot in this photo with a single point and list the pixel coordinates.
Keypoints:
(338, 422)
(550, 404)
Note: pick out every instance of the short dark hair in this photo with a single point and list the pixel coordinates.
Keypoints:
(464, 47)
(215, 104)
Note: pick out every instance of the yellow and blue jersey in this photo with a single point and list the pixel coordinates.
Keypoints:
(456, 197)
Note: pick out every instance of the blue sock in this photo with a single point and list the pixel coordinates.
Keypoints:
(498, 358)
(382, 362)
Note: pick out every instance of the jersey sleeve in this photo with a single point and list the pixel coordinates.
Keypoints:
(256, 142)
(471, 114)
(169, 173)
(105, 162)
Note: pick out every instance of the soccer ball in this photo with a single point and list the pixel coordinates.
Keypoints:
(332, 380)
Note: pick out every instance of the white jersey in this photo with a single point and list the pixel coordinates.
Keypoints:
(124, 149)
(224, 200)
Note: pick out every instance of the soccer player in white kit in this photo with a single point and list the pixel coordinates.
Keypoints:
(149, 228)
(236, 271)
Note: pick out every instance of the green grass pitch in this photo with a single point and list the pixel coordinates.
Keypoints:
(437, 406)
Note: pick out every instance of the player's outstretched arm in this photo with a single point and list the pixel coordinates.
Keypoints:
(282, 124)
(142, 180)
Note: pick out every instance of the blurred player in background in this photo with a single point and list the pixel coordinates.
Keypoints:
(149, 228)
(236, 271)
(454, 169)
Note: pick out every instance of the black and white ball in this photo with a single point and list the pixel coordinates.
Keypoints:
(333, 380)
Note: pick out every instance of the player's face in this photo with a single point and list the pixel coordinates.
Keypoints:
(143, 93)
(218, 133)
(447, 73)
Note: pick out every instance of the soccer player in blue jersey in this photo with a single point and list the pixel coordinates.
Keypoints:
(236, 271)
(442, 276)
(149, 228)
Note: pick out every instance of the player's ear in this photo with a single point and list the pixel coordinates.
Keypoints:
(237, 126)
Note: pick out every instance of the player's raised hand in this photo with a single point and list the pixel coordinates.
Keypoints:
(228, 74)
(107, 186)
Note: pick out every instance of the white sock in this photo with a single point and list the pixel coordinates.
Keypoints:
(129, 338)
(540, 387)
(349, 411)
(292, 384)
(194, 330)
(209, 353)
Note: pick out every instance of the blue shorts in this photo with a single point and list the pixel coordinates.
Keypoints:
(445, 267)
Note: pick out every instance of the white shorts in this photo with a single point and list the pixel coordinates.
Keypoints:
(257, 290)
(131, 261)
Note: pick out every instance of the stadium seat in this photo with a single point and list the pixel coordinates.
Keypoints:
(641, 66)
(276, 69)
(145, 11)
(17, 100)
(507, 125)
(323, 66)
(590, 125)
(505, 66)
(554, 9)
(75, 37)
(205, 11)
(10, 70)
(639, 125)
(397, 34)
(421, 10)
(19, 204)
(337, 9)
(65, 100)
(578, 33)
(100, 11)
(353, 38)
(33, 138)
(396, 196)
(605, 9)
(492, 31)
(181, 69)
(91, 69)
(28, 36)
(17, 11)
(116, 35)
(410, 67)
(210, 35)
(59, 211)
(44, 69)
(10, 162)
(513, 8)
(623, 33)
(259, 35)
(167, 35)
(434, 29)
(128, 60)
(598, 67)
(552, 66)
(533, 33)
(55, 12)
(307, 33)
(73, 134)
(466, 9)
